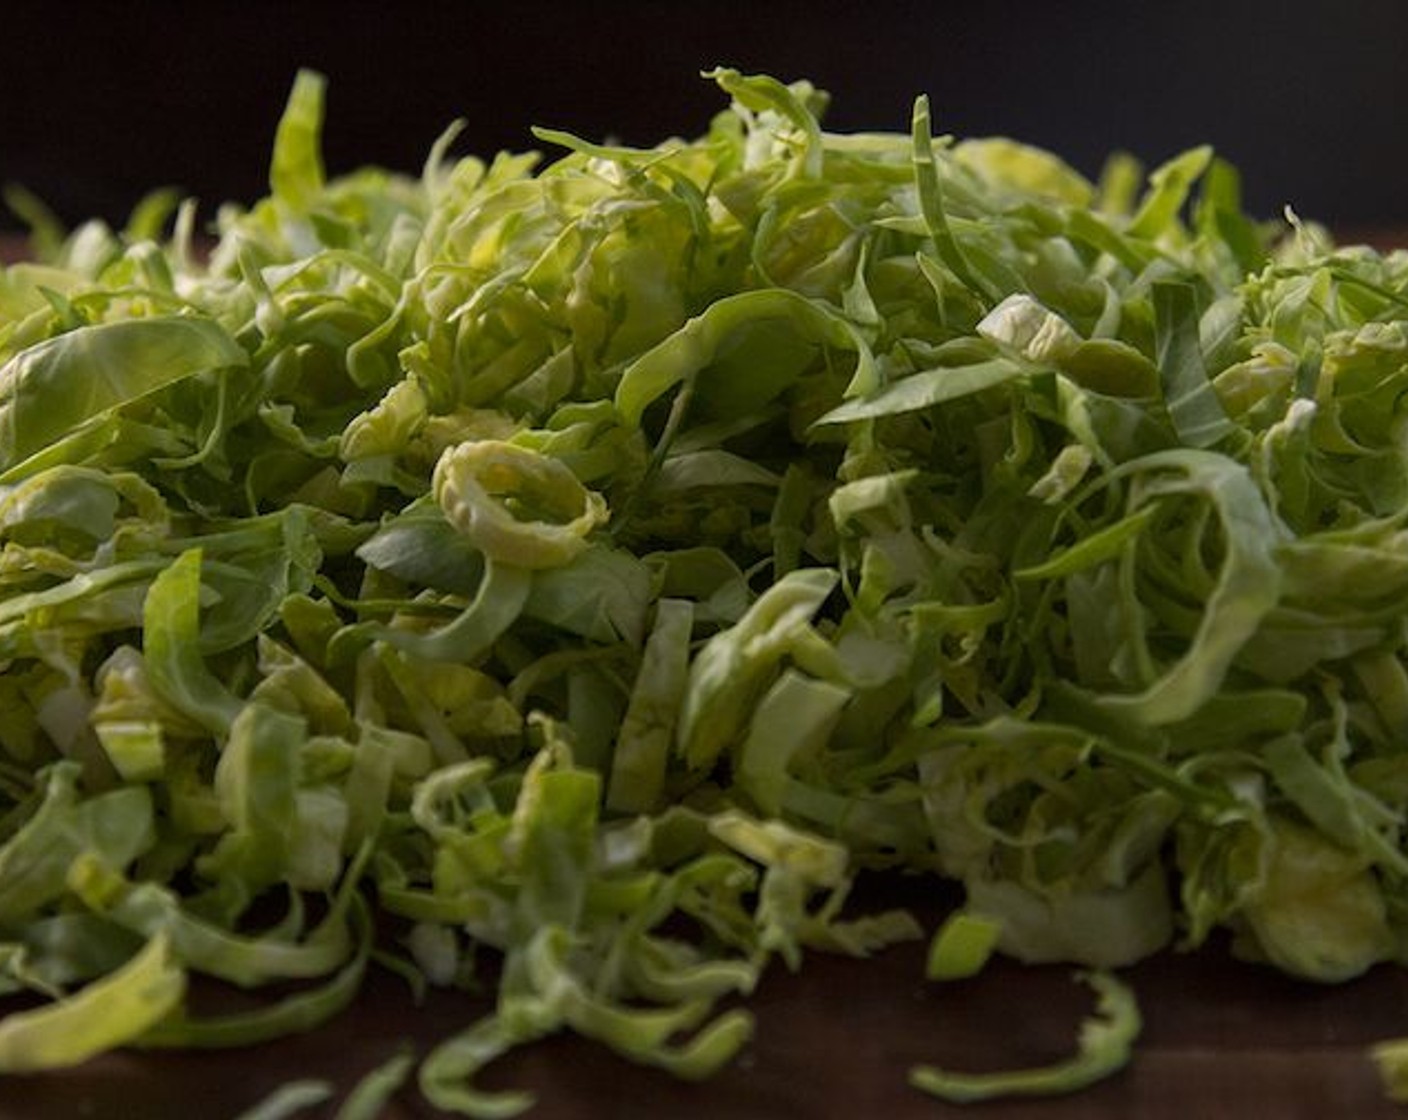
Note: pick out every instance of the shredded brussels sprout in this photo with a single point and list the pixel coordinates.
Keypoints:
(544, 559)
(515, 505)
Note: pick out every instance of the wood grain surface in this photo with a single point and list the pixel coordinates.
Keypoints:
(1222, 1039)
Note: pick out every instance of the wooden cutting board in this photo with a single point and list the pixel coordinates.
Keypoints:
(1221, 1038)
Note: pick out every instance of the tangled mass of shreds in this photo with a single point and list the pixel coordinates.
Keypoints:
(590, 569)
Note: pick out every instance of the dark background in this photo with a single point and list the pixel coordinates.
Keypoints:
(100, 102)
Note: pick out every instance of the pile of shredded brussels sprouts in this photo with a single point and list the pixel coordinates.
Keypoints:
(599, 563)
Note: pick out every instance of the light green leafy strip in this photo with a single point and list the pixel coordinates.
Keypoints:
(551, 561)
(289, 1100)
(1105, 1041)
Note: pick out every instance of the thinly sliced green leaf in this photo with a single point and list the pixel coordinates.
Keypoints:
(296, 173)
(926, 389)
(1197, 414)
(58, 386)
(109, 1012)
(171, 649)
(289, 1100)
(1105, 1042)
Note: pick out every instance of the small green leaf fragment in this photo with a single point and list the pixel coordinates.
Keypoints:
(1391, 1059)
(962, 946)
(290, 1099)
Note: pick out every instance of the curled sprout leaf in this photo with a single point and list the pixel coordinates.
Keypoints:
(1037, 334)
(515, 505)
(112, 1011)
(1106, 1039)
